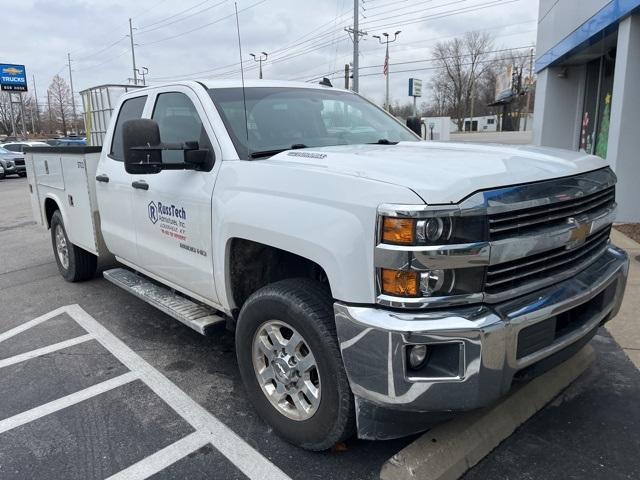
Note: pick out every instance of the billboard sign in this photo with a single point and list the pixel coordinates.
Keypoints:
(504, 84)
(415, 87)
(13, 78)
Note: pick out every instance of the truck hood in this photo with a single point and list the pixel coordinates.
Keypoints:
(442, 173)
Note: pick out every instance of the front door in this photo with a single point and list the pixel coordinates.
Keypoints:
(113, 188)
(172, 209)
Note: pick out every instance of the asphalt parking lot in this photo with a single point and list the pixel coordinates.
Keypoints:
(94, 383)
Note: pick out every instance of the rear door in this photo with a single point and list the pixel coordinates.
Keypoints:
(172, 212)
(113, 187)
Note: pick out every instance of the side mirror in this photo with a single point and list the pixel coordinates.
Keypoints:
(142, 146)
(415, 125)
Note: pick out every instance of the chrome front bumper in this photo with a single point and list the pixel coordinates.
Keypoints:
(373, 344)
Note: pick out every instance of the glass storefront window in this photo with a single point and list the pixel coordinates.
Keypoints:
(594, 132)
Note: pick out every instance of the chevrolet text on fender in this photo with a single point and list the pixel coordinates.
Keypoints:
(376, 283)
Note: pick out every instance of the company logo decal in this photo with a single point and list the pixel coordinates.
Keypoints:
(153, 212)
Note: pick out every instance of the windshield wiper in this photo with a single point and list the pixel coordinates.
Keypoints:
(383, 141)
(270, 153)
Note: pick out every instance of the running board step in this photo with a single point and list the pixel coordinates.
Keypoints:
(199, 317)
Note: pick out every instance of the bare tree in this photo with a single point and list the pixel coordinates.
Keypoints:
(5, 113)
(462, 62)
(60, 95)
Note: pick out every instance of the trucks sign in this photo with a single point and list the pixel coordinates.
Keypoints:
(13, 78)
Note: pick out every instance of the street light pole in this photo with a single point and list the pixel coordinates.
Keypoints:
(386, 70)
(259, 59)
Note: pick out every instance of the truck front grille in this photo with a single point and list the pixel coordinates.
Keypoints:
(527, 220)
(516, 273)
(19, 161)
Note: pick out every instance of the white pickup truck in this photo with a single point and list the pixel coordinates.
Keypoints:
(375, 282)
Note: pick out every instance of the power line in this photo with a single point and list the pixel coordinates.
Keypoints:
(440, 15)
(437, 67)
(218, 20)
(448, 58)
(144, 27)
(164, 25)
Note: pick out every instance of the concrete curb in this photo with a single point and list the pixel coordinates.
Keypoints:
(447, 451)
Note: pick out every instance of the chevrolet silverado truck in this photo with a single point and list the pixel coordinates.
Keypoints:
(376, 283)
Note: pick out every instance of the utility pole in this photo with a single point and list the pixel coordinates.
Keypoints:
(526, 117)
(73, 99)
(387, 69)
(13, 118)
(142, 73)
(259, 59)
(35, 94)
(346, 76)
(133, 55)
(357, 33)
(49, 110)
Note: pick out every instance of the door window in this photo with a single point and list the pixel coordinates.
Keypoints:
(131, 109)
(179, 122)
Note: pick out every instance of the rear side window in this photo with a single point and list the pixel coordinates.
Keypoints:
(130, 110)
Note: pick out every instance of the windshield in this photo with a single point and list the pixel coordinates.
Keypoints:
(285, 118)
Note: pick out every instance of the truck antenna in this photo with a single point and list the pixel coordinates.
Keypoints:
(244, 97)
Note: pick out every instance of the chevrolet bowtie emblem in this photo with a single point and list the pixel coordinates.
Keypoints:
(578, 234)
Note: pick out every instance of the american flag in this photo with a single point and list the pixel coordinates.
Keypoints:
(385, 70)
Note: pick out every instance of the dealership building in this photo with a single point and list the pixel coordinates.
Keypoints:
(588, 90)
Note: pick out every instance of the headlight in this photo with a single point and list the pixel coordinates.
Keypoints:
(431, 283)
(9, 164)
(430, 257)
(440, 230)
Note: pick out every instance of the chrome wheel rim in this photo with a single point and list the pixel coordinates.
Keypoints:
(61, 247)
(286, 370)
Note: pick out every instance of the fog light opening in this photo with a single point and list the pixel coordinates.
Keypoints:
(417, 356)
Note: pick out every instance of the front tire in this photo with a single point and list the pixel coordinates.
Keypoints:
(291, 365)
(74, 263)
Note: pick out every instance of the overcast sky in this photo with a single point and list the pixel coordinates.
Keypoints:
(305, 39)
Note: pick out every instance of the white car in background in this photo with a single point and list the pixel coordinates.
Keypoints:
(18, 149)
(20, 146)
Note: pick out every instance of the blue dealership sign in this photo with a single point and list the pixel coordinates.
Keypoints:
(13, 78)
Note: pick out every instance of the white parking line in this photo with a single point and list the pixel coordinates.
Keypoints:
(32, 323)
(44, 350)
(240, 453)
(163, 458)
(64, 402)
(209, 430)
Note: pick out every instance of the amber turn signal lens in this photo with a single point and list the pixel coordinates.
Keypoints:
(400, 283)
(398, 230)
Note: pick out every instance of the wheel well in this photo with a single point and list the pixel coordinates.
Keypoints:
(254, 265)
(50, 206)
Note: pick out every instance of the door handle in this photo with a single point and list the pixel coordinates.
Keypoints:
(141, 184)
(102, 178)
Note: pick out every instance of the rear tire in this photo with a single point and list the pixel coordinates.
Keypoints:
(74, 263)
(303, 307)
